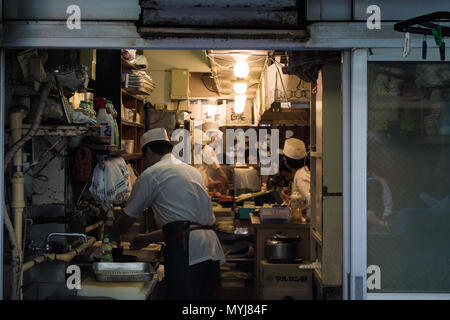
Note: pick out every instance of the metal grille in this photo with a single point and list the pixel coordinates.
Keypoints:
(409, 148)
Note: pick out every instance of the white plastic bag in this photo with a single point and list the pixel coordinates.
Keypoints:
(110, 182)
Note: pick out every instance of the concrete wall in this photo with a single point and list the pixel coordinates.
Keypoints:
(249, 13)
(100, 10)
(356, 10)
(161, 62)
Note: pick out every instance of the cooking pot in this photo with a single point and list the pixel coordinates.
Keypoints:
(281, 249)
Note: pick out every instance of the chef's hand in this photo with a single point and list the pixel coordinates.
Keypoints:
(141, 241)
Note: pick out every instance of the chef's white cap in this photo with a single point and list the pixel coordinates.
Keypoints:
(157, 134)
(211, 129)
(294, 148)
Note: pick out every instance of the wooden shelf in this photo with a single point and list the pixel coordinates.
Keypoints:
(132, 124)
(125, 92)
(132, 156)
(231, 260)
(65, 130)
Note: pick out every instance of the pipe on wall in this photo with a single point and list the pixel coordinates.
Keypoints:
(18, 181)
(99, 225)
(64, 257)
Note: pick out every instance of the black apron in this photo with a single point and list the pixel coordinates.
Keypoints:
(180, 285)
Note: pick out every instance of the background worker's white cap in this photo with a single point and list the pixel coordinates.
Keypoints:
(157, 134)
(200, 137)
(212, 128)
(294, 148)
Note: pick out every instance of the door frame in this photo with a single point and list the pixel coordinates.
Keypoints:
(324, 36)
(2, 162)
(357, 176)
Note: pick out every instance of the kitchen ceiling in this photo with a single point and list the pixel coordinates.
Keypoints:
(222, 64)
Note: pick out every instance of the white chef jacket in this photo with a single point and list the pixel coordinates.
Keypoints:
(387, 195)
(175, 192)
(209, 162)
(302, 185)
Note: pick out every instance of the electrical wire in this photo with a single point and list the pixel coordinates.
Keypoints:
(204, 83)
(45, 91)
(282, 83)
(281, 78)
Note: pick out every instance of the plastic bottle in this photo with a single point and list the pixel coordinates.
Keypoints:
(113, 113)
(106, 250)
(111, 121)
(109, 218)
(105, 121)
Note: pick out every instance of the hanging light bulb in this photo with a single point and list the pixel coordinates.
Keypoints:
(211, 110)
(239, 108)
(240, 87)
(241, 69)
(240, 98)
(239, 103)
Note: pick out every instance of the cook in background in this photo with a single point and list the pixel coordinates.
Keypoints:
(284, 181)
(177, 196)
(294, 157)
(209, 163)
(379, 200)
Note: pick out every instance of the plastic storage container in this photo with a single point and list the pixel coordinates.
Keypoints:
(275, 215)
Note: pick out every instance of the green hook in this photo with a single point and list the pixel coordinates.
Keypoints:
(437, 33)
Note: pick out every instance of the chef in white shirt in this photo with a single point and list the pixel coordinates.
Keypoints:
(206, 161)
(294, 153)
(177, 196)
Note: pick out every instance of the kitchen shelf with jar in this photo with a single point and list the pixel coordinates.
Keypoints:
(120, 81)
(132, 124)
(135, 86)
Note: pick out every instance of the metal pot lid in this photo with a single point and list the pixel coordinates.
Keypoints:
(281, 238)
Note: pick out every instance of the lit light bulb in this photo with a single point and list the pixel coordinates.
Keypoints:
(239, 103)
(240, 87)
(241, 69)
(211, 110)
(238, 108)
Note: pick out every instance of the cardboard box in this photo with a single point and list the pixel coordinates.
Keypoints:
(285, 281)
